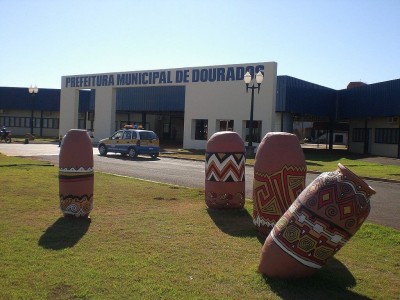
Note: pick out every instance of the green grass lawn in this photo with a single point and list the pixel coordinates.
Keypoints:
(157, 241)
(322, 161)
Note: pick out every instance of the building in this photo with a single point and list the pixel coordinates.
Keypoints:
(373, 112)
(187, 105)
(36, 114)
(196, 102)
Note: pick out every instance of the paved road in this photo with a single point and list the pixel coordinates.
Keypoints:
(385, 204)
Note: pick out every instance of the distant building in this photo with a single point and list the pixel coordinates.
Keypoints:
(355, 84)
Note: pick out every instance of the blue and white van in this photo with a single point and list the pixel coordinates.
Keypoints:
(131, 142)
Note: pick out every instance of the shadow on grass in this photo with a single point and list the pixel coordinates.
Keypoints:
(64, 233)
(233, 222)
(331, 282)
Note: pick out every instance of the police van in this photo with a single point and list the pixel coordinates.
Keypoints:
(132, 142)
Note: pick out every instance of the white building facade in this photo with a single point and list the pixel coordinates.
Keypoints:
(215, 99)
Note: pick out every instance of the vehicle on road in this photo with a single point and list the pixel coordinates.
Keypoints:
(131, 142)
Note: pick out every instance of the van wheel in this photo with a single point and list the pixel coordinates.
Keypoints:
(155, 155)
(132, 152)
(102, 150)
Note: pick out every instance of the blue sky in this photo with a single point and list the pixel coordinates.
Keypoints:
(326, 42)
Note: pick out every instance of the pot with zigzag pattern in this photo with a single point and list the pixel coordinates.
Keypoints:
(76, 178)
(225, 171)
(317, 225)
(279, 177)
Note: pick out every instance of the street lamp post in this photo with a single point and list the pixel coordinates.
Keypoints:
(33, 91)
(247, 80)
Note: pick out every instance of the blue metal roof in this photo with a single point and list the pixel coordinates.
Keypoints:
(373, 100)
(302, 97)
(19, 98)
(45, 99)
(154, 98)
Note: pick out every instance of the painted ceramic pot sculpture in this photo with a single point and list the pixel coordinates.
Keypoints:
(317, 225)
(279, 177)
(225, 171)
(76, 178)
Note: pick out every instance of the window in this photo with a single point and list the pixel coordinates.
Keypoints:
(386, 135)
(27, 122)
(339, 138)
(358, 135)
(51, 123)
(148, 135)
(256, 131)
(117, 135)
(36, 122)
(201, 129)
(127, 135)
(166, 128)
(225, 125)
(6, 121)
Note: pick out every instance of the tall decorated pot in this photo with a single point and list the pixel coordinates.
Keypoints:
(76, 178)
(225, 171)
(279, 177)
(317, 225)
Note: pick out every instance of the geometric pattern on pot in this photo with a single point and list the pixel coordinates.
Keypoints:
(78, 206)
(225, 199)
(75, 174)
(225, 167)
(273, 194)
(307, 238)
(321, 220)
(335, 198)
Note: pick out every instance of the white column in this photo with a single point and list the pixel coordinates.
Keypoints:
(105, 105)
(267, 99)
(69, 105)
